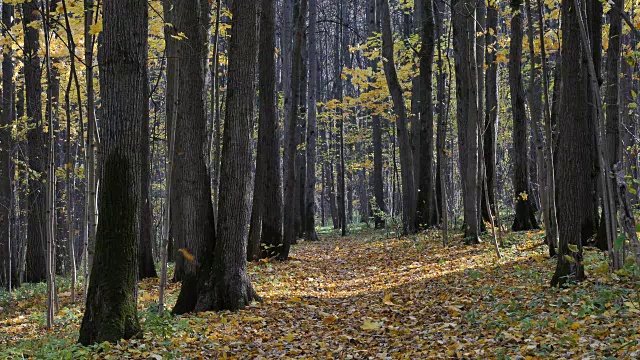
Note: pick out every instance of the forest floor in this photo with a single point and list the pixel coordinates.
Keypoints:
(370, 297)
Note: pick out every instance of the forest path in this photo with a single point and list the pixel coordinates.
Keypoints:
(366, 296)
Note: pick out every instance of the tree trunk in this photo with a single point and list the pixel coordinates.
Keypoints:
(425, 214)
(224, 284)
(268, 176)
(492, 104)
(36, 243)
(525, 210)
(312, 127)
(192, 221)
(573, 152)
(395, 88)
(290, 150)
(7, 262)
(464, 47)
(111, 308)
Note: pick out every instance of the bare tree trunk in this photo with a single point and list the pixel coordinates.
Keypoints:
(224, 284)
(111, 309)
(7, 263)
(551, 222)
(395, 88)
(490, 133)
(312, 127)
(36, 236)
(91, 190)
(192, 221)
(464, 45)
(268, 176)
(426, 210)
(525, 210)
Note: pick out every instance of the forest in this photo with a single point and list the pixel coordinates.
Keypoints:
(341, 179)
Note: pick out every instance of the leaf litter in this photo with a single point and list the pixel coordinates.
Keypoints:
(367, 297)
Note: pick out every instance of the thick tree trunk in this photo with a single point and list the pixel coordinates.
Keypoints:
(192, 221)
(464, 47)
(312, 127)
(224, 284)
(395, 88)
(268, 176)
(111, 308)
(426, 210)
(573, 152)
(525, 210)
(36, 243)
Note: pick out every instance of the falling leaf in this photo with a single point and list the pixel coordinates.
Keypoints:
(187, 255)
(96, 28)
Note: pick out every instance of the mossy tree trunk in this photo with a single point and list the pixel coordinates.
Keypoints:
(111, 308)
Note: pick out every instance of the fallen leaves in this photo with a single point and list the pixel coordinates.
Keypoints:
(365, 297)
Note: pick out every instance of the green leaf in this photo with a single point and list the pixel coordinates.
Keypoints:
(573, 248)
(569, 258)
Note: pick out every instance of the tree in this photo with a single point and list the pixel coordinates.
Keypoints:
(573, 156)
(312, 127)
(395, 88)
(291, 126)
(192, 221)
(36, 242)
(224, 284)
(525, 210)
(111, 307)
(7, 263)
(376, 130)
(490, 130)
(268, 181)
(425, 214)
(464, 47)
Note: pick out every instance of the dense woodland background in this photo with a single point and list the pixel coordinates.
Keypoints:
(204, 134)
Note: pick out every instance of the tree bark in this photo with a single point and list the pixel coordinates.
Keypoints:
(36, 219)
(290, 150)
(464, 47)
(426, 211)
(111, 308)
(268, 175)
(573, 152)
(490, 137)
(312, 127)
(395, 88)
(7, 262)
(224, 284)
(192, 221)
(524, 209)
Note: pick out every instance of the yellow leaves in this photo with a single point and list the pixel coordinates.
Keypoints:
(187, 255)
(387, 300)
(524, 196)
(96, 28)
(294, 300)
(330, 319)
(369, 325)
